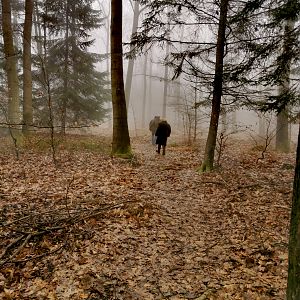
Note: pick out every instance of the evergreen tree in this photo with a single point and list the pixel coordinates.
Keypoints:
(79, 91)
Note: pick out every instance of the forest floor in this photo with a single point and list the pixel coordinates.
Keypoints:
(97, 227)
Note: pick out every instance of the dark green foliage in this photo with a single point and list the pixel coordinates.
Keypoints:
(288, 10)
(78, 90)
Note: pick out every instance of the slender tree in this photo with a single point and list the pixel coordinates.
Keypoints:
(166, 84)
(27, 78)
(121, 140)
(208, 161)
(13, 113)
(143, 121)
(129, 74)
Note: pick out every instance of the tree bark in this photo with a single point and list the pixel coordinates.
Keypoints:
(66, 70)
(282, 127)
(282, 132)
(144, 92)
(129, 75)
(38, 31)
(166, 84)
(121, 141)
(209, 154)
(293, 287)
(13, 113)
(27, 81)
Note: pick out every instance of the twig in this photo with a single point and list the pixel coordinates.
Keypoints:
(17, 251)
(11, 245)
(39, 256)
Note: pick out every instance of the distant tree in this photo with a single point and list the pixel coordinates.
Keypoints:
(27, 78)
(13, 111)
(129, 74)
(121, 139)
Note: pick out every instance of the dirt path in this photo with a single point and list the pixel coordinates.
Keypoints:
(221, 235)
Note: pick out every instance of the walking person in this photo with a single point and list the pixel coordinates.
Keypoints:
(153, 126)
(162, 133)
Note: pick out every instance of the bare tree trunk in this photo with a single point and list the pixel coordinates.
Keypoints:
(66, 75)
(129, 75)
(282, 127)
(261, 126)
(107, 30)
(293, 287)
(13, 113)
(38, 30)
(27, 78)
(144, 91)
(282, 132)
(121, 141)
(149, 115)
(166, 84)
(209, 154)
(195, 112)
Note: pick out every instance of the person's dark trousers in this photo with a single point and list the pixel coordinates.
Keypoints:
(163, 149)
(158, 149)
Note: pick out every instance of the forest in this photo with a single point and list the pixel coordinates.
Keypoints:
(149, 149)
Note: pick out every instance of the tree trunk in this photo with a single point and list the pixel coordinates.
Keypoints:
(209, 154)
(166, 84)
(293, 287)
(121, 141)
(129, 75)
(38, 31)
(27, 78)
(195, 112)
(13, 113)
(150, 85)
(282, 127)
(144, 92)
(282, 132)
(66, 75)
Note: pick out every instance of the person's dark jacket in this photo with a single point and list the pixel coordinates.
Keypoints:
(163, 131)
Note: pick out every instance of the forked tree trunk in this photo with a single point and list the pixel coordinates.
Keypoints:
(13, 112)
(293, 287)
(208, 162)
(27, 78)
(121, 140)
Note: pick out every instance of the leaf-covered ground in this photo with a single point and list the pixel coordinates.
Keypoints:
(96, 227)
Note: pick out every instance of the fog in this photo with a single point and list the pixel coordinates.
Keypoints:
(147, 91)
